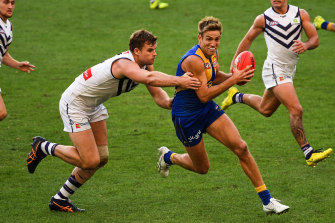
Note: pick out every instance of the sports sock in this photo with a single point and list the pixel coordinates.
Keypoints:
(48, 148)
(70, 186)
(238, 98)
(264, 194)
(326, 25)
(168, 157)
(308, 151)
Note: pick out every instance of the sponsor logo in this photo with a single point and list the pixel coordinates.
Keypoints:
(273, 23)
(196, 136)
(79, 125)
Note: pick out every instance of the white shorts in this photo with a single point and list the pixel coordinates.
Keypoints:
(77, 117)
(274, 74)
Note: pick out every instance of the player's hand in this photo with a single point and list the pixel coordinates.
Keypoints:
(25, 66)
(243, 76)
(189, 82)
(299, 47)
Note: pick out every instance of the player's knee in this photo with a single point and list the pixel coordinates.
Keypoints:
(103, 161)
(297, 110)
(266, 113)
(104, 154)
(91, 164)
(3, 115)
(203, 169)
(241, 149)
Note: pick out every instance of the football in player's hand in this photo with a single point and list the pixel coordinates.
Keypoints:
(243, 60)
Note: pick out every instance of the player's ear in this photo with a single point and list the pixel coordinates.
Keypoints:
(199, 36)
(137, 51)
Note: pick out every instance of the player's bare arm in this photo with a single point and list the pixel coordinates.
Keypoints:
(220, 76)
(256, 29)
(126, 68)
(195, 65)
(161, 98)
(310, 31)
(24, 66)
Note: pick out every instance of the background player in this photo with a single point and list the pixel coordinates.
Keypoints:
(6, 36)
(194, 113)
(282, 25)
(321, 23)
(157, 4)
(84, 115)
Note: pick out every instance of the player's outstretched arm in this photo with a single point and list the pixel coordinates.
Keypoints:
(123, 67)
(24, 66)
(161, 98)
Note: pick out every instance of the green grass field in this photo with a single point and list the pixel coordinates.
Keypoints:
(64, 38)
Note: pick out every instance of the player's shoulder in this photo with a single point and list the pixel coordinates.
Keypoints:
(193, 63)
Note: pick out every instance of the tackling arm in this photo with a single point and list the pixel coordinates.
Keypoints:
(130, 69)
(161, 98)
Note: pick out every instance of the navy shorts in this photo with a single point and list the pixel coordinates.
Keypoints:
(189, 129)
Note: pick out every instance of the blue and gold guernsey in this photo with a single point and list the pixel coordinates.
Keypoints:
(186, 101)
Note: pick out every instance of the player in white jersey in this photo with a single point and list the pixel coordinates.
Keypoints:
(84, 115)
(282, 25)
(6, 36)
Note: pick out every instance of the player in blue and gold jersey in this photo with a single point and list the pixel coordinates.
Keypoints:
(194, 113)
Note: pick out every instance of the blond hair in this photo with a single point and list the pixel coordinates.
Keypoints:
(209, 23)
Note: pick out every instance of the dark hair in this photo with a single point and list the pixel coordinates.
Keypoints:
(209, 23)
(139, 38)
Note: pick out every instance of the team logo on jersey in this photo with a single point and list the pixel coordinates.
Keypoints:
(207, 65)
(273, 23)
(295, 21)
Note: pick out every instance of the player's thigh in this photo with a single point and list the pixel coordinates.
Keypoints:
(86, 145)
(99, 130)
(224, 130)
(198, 155)
(287, 95)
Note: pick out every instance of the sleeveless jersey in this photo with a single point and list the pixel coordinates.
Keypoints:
(97, 84)
(6, 36)
(186, 101)
(279, 33)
